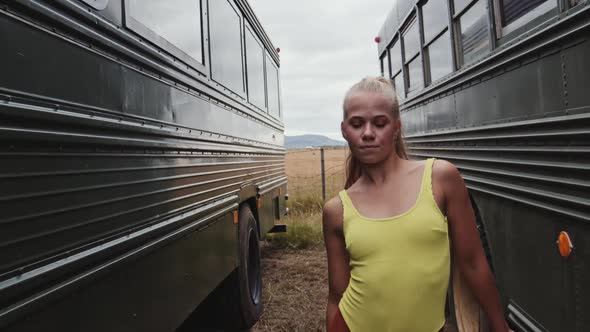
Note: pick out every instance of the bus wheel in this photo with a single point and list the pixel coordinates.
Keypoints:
(236, 303)
(464, 311)
(249, 269)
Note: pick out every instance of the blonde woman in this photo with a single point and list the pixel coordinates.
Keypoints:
(388, 233)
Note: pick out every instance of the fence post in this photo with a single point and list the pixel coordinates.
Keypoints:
(323, 174)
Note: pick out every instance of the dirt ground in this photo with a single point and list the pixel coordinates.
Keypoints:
(295, 290)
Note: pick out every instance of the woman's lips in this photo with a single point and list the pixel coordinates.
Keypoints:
(368, 147)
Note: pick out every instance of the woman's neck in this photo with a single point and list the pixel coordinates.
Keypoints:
(379, 173)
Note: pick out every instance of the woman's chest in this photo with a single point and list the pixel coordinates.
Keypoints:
(413, 235)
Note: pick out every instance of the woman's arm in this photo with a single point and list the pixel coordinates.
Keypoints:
(338, 268)
(468, 252)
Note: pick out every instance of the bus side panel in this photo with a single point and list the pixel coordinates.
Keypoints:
(521, 143)
(96, 147)
(576, 70)
(156, 292)
(75, 74)
(524, 252)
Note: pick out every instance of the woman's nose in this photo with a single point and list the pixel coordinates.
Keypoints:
(368, 132)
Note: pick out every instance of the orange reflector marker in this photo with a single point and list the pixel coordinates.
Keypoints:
(235, 217)
(259, 203)
(565, 245)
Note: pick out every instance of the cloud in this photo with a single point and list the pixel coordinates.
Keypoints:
(326, 46)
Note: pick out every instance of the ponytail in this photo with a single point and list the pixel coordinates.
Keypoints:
(353, 170)
(400, 145)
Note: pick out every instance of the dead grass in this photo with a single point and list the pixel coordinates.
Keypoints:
(295, 290)
(304, 231)
(303, 169)
(294, 266)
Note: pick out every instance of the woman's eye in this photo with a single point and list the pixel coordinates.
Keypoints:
(380, 124)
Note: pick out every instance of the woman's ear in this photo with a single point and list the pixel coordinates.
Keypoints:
(343, 131)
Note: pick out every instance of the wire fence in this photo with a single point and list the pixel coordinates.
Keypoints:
(307, 191)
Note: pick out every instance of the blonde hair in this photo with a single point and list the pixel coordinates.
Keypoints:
(384, 87)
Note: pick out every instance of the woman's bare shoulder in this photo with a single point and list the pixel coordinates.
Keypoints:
(446, 180)
(445, 171)
(333, 212)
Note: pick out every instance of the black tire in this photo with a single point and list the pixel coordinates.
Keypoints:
(236, 304)
(249, 269)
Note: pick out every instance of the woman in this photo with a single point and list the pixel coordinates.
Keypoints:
(387, 234)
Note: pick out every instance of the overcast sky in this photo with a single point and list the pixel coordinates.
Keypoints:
(326, 46)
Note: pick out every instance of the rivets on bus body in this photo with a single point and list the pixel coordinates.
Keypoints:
(564, 244)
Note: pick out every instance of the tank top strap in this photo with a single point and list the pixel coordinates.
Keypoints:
(347, 208)
(427, 176)
(427, 195)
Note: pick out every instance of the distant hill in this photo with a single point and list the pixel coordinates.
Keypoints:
(304, 141)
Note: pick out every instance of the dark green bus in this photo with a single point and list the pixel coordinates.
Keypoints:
(501, 88)
(141, 161)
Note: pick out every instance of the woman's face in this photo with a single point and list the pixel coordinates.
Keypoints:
(369, 127)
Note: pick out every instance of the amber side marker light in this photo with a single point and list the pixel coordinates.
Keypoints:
(564, 244)
(235, 217)
(259, 203)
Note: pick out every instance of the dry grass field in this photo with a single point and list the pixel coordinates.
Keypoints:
(304, 173)
(294, 264)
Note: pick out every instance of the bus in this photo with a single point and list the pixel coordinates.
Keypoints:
(500, 89)
(142, 160)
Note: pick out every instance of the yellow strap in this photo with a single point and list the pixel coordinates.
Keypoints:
(427, 177)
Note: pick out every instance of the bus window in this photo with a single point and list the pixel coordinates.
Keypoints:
(397, 76)
(395, 56)
(436, 38)
(97, 4)
(398, 82)
(440, 57)
(255, 70)
(272, 83)
(513, 14)
(170, 21)
(415, 75)
(411, 38)
(459, 5)
(473, 27)
(513, 9)
(382, 64)
(226, 45)
(434, 18)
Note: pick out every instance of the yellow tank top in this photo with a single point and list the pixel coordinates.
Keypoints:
(400, 266)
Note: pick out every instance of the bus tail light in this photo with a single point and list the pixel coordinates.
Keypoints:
(564, 244)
